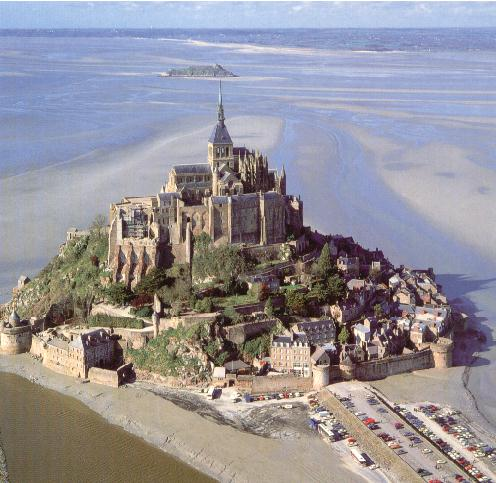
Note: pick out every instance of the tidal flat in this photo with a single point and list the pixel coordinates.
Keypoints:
(395, 148)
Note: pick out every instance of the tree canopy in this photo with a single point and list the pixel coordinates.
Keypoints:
(344, 335)
(296, 302)
(324, 267)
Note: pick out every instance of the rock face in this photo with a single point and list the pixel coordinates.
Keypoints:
(199, 71)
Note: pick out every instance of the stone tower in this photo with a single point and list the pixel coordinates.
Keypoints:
(320, 375)
(442, 352)
(220, 145)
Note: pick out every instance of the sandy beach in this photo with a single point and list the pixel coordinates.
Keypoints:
(218, 450)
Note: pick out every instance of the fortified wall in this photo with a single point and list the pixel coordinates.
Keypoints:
(15, 335)
(437, 355)
(372, 370)
(239, 333)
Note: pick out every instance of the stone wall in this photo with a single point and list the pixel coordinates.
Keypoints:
(248, 309)
(372, 370)
(265, 384)
(135, 338)
(37, 346)
(111, 378)
(187, 320)
(103, 376)
(240, 332)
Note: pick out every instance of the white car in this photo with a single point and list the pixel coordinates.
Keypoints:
(426, 451)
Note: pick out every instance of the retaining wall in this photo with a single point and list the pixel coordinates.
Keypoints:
(240, 332)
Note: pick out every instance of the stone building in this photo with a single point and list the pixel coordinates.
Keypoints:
(234, 198)
(75, 357)
(291, 354)
(15, 335)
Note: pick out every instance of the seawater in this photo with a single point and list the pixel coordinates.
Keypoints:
(48, 437)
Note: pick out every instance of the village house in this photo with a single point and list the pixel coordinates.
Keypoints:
(291, 354)
(75, 357)
(349, 266)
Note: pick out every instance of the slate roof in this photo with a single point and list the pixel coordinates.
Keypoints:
(201, 168)
(166, 198)
(235, 365)
(220, 135)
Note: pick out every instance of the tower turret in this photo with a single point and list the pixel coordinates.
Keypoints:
(282, 181)
(220, 145)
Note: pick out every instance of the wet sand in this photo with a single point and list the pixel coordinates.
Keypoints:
(217, 450)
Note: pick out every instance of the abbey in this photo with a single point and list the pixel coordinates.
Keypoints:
(234, 198)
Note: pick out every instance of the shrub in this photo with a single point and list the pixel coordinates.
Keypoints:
(140, 300)
(144, 311)
(205, 305)
(231, 316)
(103, 320)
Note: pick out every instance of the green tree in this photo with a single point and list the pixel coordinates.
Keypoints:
(269, 308)
(321, 293)
(155, 279)
(344, 335)
(296, 302)
(378, 312)
(336, 289)
(324, 266)
(98, 226)
(118, 294)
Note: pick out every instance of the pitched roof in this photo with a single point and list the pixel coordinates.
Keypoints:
(235, 365)
(319, 352)
(220, 135)
(200, 168)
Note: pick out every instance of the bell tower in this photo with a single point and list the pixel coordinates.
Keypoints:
(220, 145)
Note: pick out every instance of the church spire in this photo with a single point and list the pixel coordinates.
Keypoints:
(220, 107)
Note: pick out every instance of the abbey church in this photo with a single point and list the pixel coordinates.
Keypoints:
(233, 197)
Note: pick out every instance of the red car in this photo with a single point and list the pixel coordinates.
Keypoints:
(399, 425)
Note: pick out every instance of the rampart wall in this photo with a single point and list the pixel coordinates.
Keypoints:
(372, 370)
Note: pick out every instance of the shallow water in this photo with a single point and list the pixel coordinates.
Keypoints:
(48, 437)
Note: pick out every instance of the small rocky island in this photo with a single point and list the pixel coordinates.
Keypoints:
(199, 71)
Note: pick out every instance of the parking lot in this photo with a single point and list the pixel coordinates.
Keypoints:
(416, 451)
(448, 429)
